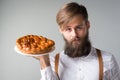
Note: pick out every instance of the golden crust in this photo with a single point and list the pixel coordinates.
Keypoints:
(34, 44)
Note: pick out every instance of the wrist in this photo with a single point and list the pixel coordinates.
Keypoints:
(44, 61)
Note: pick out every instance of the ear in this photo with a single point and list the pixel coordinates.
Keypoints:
(88, 24)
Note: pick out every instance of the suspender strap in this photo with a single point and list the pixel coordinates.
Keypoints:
(100, 64)
(99, 59)
(56, 64)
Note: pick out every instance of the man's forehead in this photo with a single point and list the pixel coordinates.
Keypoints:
(76, 21)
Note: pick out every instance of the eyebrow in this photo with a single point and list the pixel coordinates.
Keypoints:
(80, 25)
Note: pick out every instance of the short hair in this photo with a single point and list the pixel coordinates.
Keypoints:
(68, 11)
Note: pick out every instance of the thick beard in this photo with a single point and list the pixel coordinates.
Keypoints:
(82, 49)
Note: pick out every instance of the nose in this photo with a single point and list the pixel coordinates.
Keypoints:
(74, 33)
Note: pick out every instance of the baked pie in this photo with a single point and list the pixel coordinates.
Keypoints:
(34, 44)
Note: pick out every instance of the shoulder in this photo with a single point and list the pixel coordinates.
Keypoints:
(111, 66)
(108, 59)
(106, 55)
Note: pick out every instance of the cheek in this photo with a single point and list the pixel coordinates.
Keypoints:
(67, 37)
(82, 33)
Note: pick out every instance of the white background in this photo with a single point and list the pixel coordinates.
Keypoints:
(22, 17)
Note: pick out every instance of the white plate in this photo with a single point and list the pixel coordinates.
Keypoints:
(16, 49)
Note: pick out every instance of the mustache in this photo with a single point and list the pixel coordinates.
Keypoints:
(76, 38)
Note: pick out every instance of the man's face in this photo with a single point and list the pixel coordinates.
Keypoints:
(75, 31)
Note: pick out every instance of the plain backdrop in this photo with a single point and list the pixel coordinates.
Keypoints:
(22, 17)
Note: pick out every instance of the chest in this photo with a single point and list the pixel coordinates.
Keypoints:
(79, 69)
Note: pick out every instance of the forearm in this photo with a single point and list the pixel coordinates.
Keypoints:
(46, 70)
(44, 61)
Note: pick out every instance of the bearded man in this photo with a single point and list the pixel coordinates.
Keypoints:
(79, 60)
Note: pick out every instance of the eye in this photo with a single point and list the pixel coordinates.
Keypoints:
(79, 27)
(68, 29)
